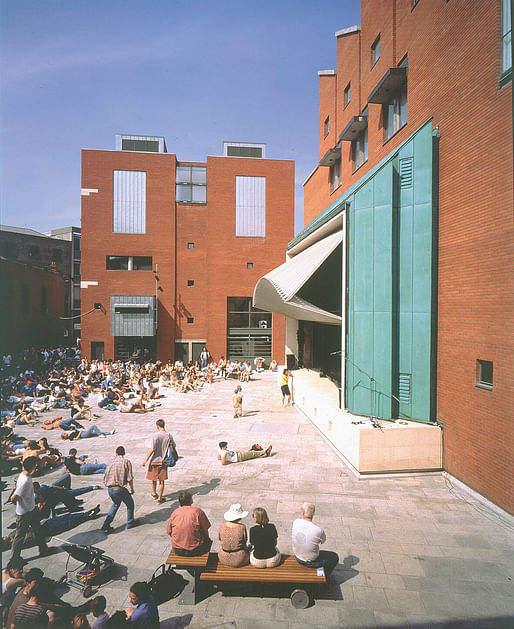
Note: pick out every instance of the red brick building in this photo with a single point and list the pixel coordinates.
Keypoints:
(427, 230)
(171, 250)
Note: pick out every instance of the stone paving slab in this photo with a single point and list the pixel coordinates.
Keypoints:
(414, 551)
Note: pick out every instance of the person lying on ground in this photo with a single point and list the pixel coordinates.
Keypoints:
(92, 431)
(64, 424)
(237, 456)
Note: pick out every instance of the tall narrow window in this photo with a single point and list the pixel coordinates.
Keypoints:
(360, 149)
(251, 207)
(335, 175)
(375, 51)
(484, 374)
(395, 111)
(129, 202)
(506, 37)
(326, 126)
(347, 94)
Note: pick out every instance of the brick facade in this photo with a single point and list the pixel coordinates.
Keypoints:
(454, 79)
(217, 264)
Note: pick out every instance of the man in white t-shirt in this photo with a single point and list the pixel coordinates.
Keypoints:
(26, 513)
(307, 537)
(237, 456)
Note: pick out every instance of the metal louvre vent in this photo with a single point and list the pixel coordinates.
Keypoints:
(145, 146)
(406, 172)
(244, 151)
(404, 388)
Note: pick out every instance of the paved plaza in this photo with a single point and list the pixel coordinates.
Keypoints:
(414, 551)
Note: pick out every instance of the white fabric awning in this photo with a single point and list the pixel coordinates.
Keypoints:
(277, 290)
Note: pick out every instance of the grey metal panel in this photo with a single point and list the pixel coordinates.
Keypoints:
(133, 323)
(129, 201)
(251, 207)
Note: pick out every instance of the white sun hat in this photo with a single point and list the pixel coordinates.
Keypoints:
(235, 513)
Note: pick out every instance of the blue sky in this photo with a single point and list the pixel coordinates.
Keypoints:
(76, 72)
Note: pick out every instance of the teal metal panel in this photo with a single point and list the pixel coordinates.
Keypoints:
(390, 266)
(129, 321)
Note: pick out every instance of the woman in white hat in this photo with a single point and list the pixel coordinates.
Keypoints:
(233, 550)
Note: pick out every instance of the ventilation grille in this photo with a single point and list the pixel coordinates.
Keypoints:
(404, 388)
(406, 171)
(244, 151)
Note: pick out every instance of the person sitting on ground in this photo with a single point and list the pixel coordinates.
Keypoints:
(307, 537)
(97, 606)
(237, 456)
(80, 621)
(31, 615)
(273, 365)
(145, 614)
(263, 538)
(80, 410)
(189, 527)
(81, 466)
(12, 575)
(233, 550)
(11, 604)
(43, 456)
(92, 431)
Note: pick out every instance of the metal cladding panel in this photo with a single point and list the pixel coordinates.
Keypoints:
(129, 202)
(390, 276)
(251, 207)
(133, 323)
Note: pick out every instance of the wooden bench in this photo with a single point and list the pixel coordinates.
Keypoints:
(194, 566)
(289, 571)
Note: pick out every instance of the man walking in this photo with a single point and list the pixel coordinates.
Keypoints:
(118, 475)
(27, 516)
(237, 401)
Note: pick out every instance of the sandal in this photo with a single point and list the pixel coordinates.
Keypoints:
(154, 496)
(161, 500)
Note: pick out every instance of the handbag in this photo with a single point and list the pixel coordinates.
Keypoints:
(165, 585)
(171, 458)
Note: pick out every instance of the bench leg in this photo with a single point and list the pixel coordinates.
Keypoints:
(300, 598)
(190, 593)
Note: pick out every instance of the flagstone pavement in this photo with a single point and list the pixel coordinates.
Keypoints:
(414, 551)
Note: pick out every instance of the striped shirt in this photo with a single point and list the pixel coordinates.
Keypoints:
(119, 472)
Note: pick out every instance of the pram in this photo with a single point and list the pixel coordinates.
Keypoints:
(93, 563)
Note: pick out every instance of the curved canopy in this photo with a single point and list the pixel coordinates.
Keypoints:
(277, 290)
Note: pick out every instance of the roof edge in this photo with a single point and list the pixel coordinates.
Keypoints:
(348, 31)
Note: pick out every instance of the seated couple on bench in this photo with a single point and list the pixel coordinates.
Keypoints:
(188, 527)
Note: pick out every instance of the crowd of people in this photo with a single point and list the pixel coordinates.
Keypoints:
(84, 392)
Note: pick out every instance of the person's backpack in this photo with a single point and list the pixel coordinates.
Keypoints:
(166, 585)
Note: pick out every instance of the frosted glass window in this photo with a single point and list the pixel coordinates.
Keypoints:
(129, 202)
(251, 207)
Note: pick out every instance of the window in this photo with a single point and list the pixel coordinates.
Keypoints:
(76, 297)
(347, 95)
(326, 126)
(129, 202)
(76, 243)
(145, 146)
(395, 111)
(375, 51)
(57, 255)
(241, 314)
(9, 250)
(76, 269)
(128, 263)
(244, 151)
(249, 330)
(484, 374)
(190, 245)
(34, 253)
(117, 263)
(360, 149)
(506, 37)
(191, 184)
(190, 282)
(249, 265)
(190, 320)
(44, 299)
(250, 207)
(335, 175)
(142, 263)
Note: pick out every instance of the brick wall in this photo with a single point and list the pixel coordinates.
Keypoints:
(454, 65)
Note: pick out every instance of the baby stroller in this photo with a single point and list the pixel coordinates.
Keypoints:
(93, 563)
